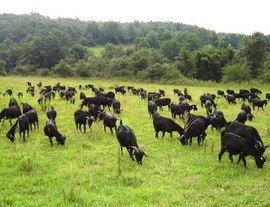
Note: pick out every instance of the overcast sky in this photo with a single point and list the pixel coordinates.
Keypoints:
(240, 16)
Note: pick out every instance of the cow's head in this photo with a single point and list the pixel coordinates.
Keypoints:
(138, 153)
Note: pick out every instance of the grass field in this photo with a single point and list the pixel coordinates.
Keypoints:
(88, 170)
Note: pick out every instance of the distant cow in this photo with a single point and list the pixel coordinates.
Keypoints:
(116, 106)
(255, 90)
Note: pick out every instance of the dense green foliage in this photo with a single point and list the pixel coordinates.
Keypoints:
(90, 171)
(30, 43)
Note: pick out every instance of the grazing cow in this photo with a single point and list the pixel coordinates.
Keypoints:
(50, 130)
(163, 102)
(20, 95)
(152, 108)
(197, 129)
(229, 91)
(130, 88)
(255, 90)
(258, 103)
(10, 113)
(231, 99)
(82, 96)
(220, 93)
(83, 118)
(162, 92)
(243, 116)
(109, 120)
(164, 124)
(90, 100)
(246, 108)
(218, 120)
(237, 145)
(126, 138)
(51, 113)
(267, 96)
(188, 97)
(26, 107)
(110, 95)
(245, 131)
(39, 84)
(95, 111)
(13, 102)
(120, 89)
(22, 124)
(8, 92)
(33, 118)
(143, 94)
(182, 108)
(209, 105)
(116, 106)
(176, 91)
(31, 90)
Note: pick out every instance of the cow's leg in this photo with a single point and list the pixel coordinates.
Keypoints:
(222, 150)
(28, 133)
(121, 150)
(156, 133)
(23, 135)
(231, 157)
(163, 133)
(171, 134)
(51, 141)
(130, 154)
(10, 121)
(111, 130)
(84, 128)
(104, 128)
(244, 160)
(80, 127)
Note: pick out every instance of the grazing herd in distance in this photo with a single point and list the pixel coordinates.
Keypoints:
(237, 138)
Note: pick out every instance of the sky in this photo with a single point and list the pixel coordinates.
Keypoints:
(235, 16)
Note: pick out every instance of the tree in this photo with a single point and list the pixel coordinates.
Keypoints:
(62, 69)
(2, 67)
(186, 63)
(79, 51)
(255, 51)
(170, 49)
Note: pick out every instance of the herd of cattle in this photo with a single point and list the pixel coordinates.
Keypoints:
(237, 138)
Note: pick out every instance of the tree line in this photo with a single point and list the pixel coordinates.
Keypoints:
(35, 44)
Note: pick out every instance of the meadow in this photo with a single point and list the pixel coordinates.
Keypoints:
(90, 170)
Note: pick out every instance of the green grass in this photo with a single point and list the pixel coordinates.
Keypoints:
(88, 170)
(97, 49)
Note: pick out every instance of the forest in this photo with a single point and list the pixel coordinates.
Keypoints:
(155, 51)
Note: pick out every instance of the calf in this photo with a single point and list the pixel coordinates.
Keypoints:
(231, 99)
(164, 124)
(83, 118)
(22, 124)
(237, 145)
(50, 130)
(126, 138)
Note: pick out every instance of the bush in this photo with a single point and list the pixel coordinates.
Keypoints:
(236, 73)
(2, 67)
(62, 69)
(24, 70)
(43, 72)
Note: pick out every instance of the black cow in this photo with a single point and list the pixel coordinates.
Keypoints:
(267, 96)
(22, 124)
(109, 120)
(246, 108)
(258, 103)
(218, 120)
(8, 92)
(116, 106)
(13, 102)
(83, 118)
(245, 131)
(162, 92)
(229, 91)
(20, 95)
(231, 99)
(82, 96)
(243, 116)
(182, 108)
(163, 102)
(26, 107)
(95, 111)
(237, 145)
(220, 93)
(164, 124)
(50, 130)
(51, 113)
(255, 90)
(120, 89)
(126, 138)
(152, 107)
(33, 118)
(197, 129)
(10, 113)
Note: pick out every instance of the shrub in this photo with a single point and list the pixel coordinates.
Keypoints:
(62, 69)
(236, 73)
(2, 67)
(43, 71)
(24, 70)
